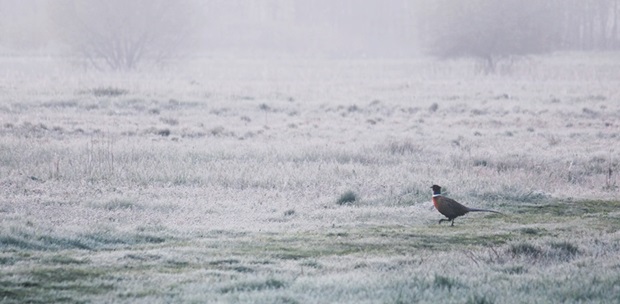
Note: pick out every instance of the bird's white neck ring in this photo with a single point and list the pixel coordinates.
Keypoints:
(436, 195)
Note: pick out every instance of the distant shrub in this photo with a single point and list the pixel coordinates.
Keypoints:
(347, 198)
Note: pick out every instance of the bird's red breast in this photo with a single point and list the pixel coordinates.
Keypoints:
(436, 201)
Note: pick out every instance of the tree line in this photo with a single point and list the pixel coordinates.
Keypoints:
(127, 34)
(495, 30)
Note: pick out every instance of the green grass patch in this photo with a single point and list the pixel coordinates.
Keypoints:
(525, 250)
(118, 204)
(65, 260)
(225, 262)
(258, 285)
(514, 270)
(531, 231)
(479, 299)
(572, 208)
(442, 282)
(31, 240)
(564, 250)
(53, 285)
(511, 194)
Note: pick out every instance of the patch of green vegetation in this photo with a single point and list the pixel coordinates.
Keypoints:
(524, 249)
(590, 290)
(118, 204)
(8, 260)
(173, 266)
(286, 300)
(572, 208)
(338, 234)
(371, 240)
(142, 257)
(564, 250)
(17, 292)
(107, 239)
(514, 270)
(556, 251)
(311, 263)
(52, 241)
(479, 299)
(531, 231)
(65, 260)
(224, 262)
(63, 274)
(53, 285)
(287, 253)
(446, 282)
(138, 294)
(464, 238)
(242, 269)
(511, 194)
(9, 241)
(31, 241)
(254, 286)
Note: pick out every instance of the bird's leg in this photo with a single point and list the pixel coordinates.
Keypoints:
(452, 222)
(441, 220)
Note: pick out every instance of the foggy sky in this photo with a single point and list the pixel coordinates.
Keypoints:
(348, 28)
(340, 28)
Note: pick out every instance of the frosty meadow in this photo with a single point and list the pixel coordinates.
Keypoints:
(224, 182)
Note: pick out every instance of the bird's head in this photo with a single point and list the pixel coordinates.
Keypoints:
(436, 189)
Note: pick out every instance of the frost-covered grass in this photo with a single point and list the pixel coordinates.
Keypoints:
(233, 181)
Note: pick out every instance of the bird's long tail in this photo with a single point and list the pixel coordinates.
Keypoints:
(482, 210)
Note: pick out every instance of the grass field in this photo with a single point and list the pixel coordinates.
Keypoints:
(232, 181)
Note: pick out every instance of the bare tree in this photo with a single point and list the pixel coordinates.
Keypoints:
(494, 30)
(122, 34)
(590, 24)
(487, 30)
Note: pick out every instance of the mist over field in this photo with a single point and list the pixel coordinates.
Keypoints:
(283, 151)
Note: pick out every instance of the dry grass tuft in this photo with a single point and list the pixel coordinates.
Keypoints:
(347, 198)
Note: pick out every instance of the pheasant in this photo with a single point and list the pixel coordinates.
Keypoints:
(451, 208)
